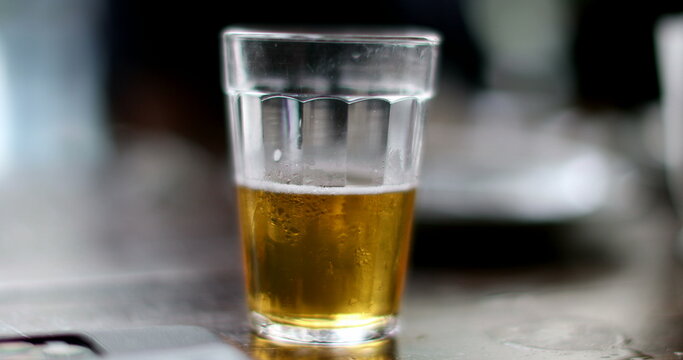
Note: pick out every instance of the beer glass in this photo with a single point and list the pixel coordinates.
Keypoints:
(326, 135)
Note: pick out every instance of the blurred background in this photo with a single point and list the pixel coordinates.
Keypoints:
(114, 158)
(543, 189)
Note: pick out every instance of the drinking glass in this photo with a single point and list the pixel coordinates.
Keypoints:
(326, 132)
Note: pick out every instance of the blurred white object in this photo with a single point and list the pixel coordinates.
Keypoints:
(556, 184)
(51, 113)
(512, 155)
(498, 167)
(669, 37)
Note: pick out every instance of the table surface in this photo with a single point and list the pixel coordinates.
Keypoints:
(129, 245)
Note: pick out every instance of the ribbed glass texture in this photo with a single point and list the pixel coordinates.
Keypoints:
(328, 109)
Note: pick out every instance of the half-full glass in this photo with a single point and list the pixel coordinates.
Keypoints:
(326, 135)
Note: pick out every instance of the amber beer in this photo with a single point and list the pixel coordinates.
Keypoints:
(321, 257)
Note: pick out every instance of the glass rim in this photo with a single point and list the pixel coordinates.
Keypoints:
(397, 35)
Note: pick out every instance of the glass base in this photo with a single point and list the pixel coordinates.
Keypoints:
(267, 328)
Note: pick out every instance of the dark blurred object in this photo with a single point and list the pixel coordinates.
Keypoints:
(164, 71)
(490, 245)
(614, 56)
(461, 54)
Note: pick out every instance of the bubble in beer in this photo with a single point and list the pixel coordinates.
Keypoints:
(327, 250)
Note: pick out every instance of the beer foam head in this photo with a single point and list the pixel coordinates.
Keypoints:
(324, 190)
